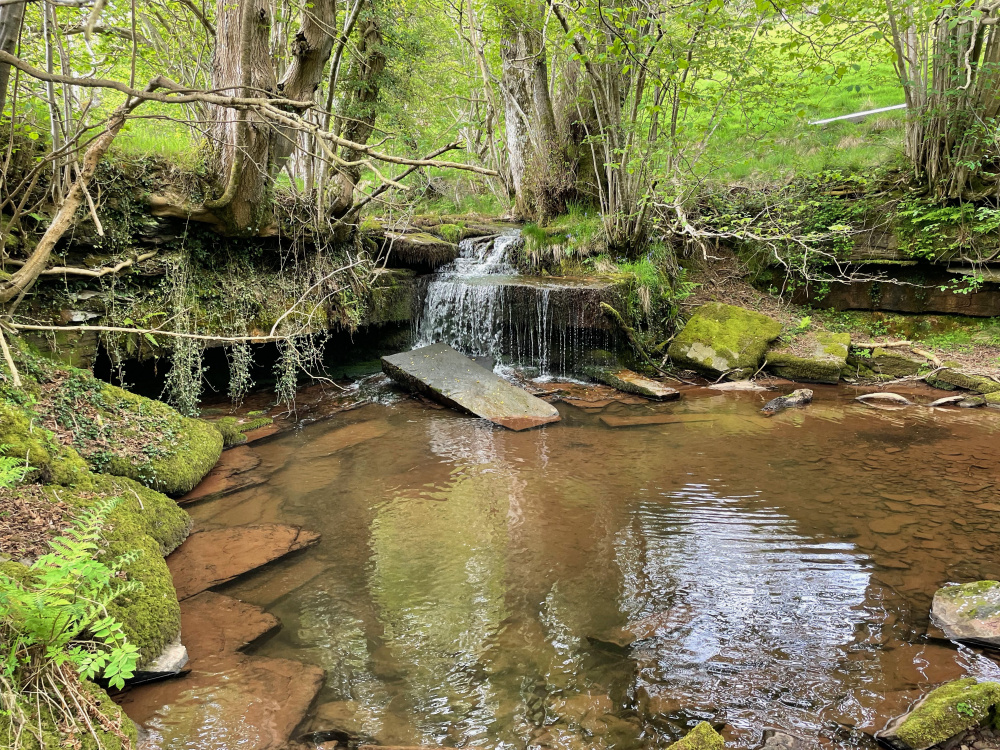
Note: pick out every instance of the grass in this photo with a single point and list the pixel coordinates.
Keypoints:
(947, 333)
(165, 139)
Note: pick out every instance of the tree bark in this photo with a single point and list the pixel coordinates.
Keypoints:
(244, 141)
(539, 170)
(358, 115)
(11, 18)
(311, 50)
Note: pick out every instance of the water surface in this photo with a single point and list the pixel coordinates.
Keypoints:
(468, 576)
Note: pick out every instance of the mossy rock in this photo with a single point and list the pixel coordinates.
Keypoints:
(54, 732)
(724, 339)
(229, 427)
(894, 363)
(702, 737)
(943, 713)
(951, 378)
(824, 364)
(969, 612)
(993, 399)
(25, 438)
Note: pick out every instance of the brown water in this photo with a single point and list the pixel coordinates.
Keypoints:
(465, 570)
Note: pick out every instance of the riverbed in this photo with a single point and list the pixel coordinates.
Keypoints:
(474, 586)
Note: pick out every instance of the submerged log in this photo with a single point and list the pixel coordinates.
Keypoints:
(456, 381)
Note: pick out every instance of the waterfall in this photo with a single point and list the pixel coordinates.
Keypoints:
(480, 305)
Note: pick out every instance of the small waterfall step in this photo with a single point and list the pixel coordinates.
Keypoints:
(457, 381)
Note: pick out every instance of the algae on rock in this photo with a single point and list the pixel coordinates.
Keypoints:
(943, 713)
(724, 340)
(702, 737)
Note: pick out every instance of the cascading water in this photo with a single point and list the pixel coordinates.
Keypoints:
(482, 306)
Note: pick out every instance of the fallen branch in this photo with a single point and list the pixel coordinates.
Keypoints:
(15, 378)
(93, 273)
(880, 344)
(926, 355)
(153, 332)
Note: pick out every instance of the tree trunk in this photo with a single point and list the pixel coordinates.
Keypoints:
(243, 141)
(11, 18)
(359, 112)
(539, 170)
(311, 50)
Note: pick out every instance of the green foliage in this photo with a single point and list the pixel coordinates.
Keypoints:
(12, 469)
(57, 614)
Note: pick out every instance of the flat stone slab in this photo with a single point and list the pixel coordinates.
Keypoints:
(615, 421)
(231, 473)
(455, 380)
(969, 612)
(820, 360)
(632, 382)
(211, 558)
(214, 624)
(228, 701)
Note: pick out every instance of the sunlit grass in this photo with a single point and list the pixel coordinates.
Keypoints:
(171, 141)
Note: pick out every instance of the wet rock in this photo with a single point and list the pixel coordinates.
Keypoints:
(702, 737)
(800, 397)
(418, 249)
(214, 624)
(337, 719)
(884, 398)
(455, 380)
(658, 623)
(170, 662)
(227, 701)
(972, 402)
(211, 558)
(942, 714)
(724, 340)
(823, 364)
(969, 612)
(777, 739)
(229, 475)
(631, 382)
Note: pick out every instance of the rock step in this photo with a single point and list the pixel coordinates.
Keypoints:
(632, 382)
(211, 558)
(614, 421)
(455, 380)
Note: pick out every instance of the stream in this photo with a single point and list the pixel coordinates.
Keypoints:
(471, 583)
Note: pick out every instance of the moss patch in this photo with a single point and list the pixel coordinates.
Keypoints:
(945, 712)
(894, 363)
(724, 339)
(26, 438)
(951, 379)
(822, 364)
(702, 737)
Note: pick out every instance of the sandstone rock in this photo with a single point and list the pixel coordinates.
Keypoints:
(614, 421)
(227, 701)
(171, 661)
(337, 719)
(778, 739)
(941, 714)
(211, 558)
(214, 624)
(723, 339)
(418, 249)
(632, 382)
(737, 385)
(896, 363)
(969, 612)
(823, 364)
(229, 475)
(455, 380)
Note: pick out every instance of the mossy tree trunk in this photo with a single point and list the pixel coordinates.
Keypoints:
(11, 18)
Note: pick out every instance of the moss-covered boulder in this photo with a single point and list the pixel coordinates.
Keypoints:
(821, 360)
(724, 340)
(895, 363)
(951, 378)
(702, 737)
(993, 399)
(234, 430)
(943, 713)
(969, 612)
(22, 432)
(115, 731)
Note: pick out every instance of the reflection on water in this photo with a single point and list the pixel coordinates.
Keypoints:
(467, 574)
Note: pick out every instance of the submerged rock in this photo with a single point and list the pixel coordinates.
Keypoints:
(941, 714)
(969, 612)
(702, 737)
(631, 382)
(778, 739)
(455, 380)
(211, 558)
(800, 397)
(724, 340)
(823, 364)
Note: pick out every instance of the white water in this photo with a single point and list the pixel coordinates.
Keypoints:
(481, 306)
